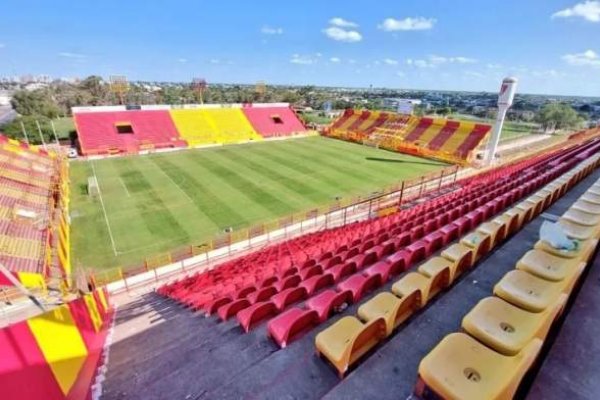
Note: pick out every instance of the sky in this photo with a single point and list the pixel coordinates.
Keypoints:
(551, 46)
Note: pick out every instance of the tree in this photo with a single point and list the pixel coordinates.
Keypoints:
(555, 116)
(14, 129)
(36, 102)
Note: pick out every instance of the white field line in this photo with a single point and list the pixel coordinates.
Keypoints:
(112, 240)
(124, 187)
(174, 183)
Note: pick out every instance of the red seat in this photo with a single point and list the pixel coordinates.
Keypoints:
(403, 239)
(263, 294)
(463, 224)
(362, 260)
(229, 310)
(311, 271)
(290, 325)
(417, 233)
(252, 315)
(291, 281)
(333, 261)
(399, 260)
(418, 252)
(309, 263)
(329, 301)
(288, 272)
(450, 232)
(325, 256)
(435, 241)
(430, 226)
(382, 250)
(267, 282)
(289, 296)
(317, 282)
(366, 246)
(384, 269)
(244, 292)
(342, 270)
(360, 285)
(476, 217)
(212, 307)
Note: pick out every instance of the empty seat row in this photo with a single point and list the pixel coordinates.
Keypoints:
(503, 334)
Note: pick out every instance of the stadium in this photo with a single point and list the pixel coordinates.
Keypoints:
(223, 250)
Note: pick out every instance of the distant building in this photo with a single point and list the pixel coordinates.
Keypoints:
(5, 97)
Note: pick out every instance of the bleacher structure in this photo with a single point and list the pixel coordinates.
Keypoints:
(34, 221)
(299, 284)
(443, 139)
(120, 129)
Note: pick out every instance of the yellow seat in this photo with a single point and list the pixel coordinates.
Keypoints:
(521, 213)
(548, 266)
(344, 342)
(414, 282)
(582, 252)
(506, 328)
(593, 190)
(586, 207)
(581, 217)
(495, 229)
(437, 266)
(529, 210)
(461, 256)
(510, 221)
(461, 368)
(591, 198)
(527, 291)
(389, 307)
(480, 242)
(579, 232)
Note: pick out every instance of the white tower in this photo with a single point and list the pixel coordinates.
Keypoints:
(505, 100)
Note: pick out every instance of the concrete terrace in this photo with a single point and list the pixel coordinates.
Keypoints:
(163, 351)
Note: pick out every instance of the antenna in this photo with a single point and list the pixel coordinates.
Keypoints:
(260, 89)
(505, 100)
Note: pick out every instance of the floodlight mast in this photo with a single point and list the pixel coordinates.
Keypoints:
(505, 101)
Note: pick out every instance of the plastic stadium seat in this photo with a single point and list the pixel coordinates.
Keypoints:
(308, 263)
(291, 324)
(290, 281)
(344, 342)
(389, 307)
(460, 367)
(333, 261)
(267, 282)
(342, 270)
(418, 251)
(496, 231)
(359, 285)
(252, 315)
(328, 302)
(506, 328)
(478, 241)
(244, 292)
(528, 291)
(384, 269)
(450, 232)
(476, 217)
(579, 232)
(435, 241)
(403, 239)
(213, 306)
(362, 260)
(582, 252)
(462, 258)
(591, 198)
(527, 211)
(317, 282)
(383, 250)
(417, 233)
(436, 266)
(288, 272)
(581, 217)
(311, 271)
(520, 214)
(229, 310)
(584, 206)
(548, 266)
(264, 294)
(424, 286)
(463, 224)
(289, 296)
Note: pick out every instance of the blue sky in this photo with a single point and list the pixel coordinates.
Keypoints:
(552, 46)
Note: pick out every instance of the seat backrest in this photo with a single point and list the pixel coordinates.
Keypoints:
(373, 332)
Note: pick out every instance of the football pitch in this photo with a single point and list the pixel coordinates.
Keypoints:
(152, 204)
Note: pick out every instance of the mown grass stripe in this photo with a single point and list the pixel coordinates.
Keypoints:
(289, 182)
(243, 185)
(156, 216)
(204, 199)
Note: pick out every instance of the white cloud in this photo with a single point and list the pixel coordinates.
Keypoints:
(304, 59)
(400, 74)
(474, 74)
(588, 10)
(268, 30)
(434, 60)
(587, 58)
(214, 61)
(351, 61)
(407, 24)
(342, 23)
(548, 73)
(66, 54)
(182, 60)
(335, 60)
(390, 61)
(342, 35)
(2, 45)
(493, 66)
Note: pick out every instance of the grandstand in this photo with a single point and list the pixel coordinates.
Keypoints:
(113, 130)
(34, 232)
(447, 140)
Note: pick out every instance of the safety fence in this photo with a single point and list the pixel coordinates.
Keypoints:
(339, 213)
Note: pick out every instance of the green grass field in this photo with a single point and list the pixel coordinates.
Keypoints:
(157, 203)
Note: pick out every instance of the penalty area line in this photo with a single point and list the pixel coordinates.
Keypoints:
(112, 239)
